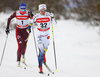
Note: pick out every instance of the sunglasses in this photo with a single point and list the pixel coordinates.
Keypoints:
(42, 10)
(22, 10)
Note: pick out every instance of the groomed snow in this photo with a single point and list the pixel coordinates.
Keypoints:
(77, 50)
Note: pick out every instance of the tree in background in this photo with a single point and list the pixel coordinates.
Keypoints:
(55, 6)
(87, 10)
(8, 5)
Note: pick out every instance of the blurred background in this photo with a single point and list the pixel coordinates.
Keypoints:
(82, 10)
(77, 39)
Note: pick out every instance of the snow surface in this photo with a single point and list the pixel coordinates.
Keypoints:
(77, 50)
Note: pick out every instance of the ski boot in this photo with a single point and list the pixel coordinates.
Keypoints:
(41, 72)
(23, 59)
(18, 64)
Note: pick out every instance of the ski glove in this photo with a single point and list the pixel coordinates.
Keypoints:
(29, 29)
(52, 15)
(7, 31)
(31, 15)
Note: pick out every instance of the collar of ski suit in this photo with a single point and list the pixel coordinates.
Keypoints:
(22, 12)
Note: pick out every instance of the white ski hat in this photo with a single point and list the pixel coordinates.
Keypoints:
(42, 6)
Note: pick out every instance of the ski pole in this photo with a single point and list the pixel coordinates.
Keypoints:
(54, 45)
(4, 50)
(35, 42)
(27, 39)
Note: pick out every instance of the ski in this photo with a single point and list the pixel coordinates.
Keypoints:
(20, 66)
(48, 69)
(26, 64)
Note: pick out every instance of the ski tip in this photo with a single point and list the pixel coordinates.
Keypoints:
(56, 70)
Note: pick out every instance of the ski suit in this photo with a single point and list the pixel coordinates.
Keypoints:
(21, 31)
(42, 34)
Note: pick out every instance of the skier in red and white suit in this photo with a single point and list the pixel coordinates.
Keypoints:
(22, 30)
(43, 21)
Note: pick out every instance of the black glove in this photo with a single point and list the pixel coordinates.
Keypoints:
(7, 30)
(30, 13)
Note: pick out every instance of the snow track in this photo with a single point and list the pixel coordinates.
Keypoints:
(77, 48)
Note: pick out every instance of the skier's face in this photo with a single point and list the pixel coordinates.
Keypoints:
(22, 10)
(42, 11)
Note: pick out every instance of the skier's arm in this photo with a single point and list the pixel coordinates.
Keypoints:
(30, 15)
(30, 25)
(8, 22)
(9, 19)
(32, 21)
(53, 19)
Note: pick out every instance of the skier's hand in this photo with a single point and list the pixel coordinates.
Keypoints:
(7, 31)
(31, 15)
(52, 15)
(29, 29)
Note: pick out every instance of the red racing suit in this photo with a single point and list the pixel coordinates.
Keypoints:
(21, 31)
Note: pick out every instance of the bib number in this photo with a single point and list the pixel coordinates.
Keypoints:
(22, 22)
(43, 25)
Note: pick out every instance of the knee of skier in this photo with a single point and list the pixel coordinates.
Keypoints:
(41, 54)
(20, 45)
(40, 58)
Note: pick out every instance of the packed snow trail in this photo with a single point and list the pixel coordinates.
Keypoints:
(77, 49)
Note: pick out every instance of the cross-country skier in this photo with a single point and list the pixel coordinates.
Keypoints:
(43, 21)
(22, 30)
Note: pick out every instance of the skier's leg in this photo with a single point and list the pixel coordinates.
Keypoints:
(41, 51)
(24, 42)
(19, 51)
(46, 44)
(20, 45)
(40, 57)
(19, 41)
